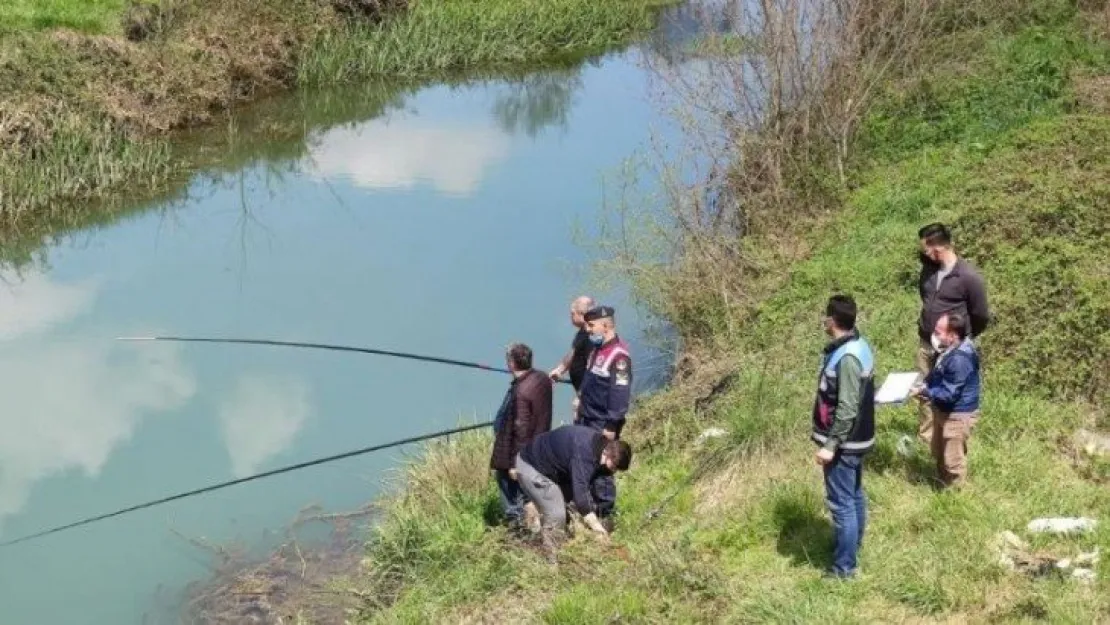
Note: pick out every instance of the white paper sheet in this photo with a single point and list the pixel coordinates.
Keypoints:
(896, 387)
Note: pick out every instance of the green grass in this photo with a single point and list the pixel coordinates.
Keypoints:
(92, 16)
(437, 37)
(80, 157)
(1002, 150)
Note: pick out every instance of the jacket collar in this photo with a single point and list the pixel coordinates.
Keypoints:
(965, 347)
(957, 268)
(526, 374)
(834, 344)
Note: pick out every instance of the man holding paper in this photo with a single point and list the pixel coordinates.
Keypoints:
(844, 428)
(952, 389)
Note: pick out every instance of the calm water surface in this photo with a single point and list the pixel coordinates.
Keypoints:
(438, 220)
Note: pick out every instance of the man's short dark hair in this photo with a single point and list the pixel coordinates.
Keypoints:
(842, 310)
(521, 356)
(621, 452)
(960, 324)
(935, 234)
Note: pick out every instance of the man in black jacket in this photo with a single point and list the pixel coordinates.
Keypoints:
(564, 464)
(947, 284)
(574, 362)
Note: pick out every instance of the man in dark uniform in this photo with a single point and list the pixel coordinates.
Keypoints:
(574, 362)
(606, 392)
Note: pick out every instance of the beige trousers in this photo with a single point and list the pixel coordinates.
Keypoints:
(949, 444)
(925, 359)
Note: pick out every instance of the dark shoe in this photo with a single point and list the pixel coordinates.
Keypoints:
(607, 523)
(551, 541)
(517, 529)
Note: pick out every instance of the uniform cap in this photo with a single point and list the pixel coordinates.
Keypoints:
(599, 312)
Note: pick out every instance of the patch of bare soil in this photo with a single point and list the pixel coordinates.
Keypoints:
(1093, 93)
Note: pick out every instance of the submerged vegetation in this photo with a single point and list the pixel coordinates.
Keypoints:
(992, 118)
(90, 92)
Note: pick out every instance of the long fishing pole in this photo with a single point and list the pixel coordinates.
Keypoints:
(258, 476)
(338, 348)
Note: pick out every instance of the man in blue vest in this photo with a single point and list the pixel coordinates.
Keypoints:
(844, 428)
(606, 392)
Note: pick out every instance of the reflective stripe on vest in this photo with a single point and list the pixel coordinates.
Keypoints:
(821, 439)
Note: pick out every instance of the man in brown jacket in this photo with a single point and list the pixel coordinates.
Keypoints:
(948, 284)
(524, 414)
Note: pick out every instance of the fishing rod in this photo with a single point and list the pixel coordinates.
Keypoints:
(338, 348)
(257, 476)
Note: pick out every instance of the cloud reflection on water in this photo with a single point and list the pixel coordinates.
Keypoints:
(69, 403)
(402, 152)
(261, 418)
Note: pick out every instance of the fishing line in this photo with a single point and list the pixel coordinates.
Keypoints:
(258, 476)
(338, 348)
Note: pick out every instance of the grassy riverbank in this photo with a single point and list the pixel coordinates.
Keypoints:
(92, 92)
(1001, 130)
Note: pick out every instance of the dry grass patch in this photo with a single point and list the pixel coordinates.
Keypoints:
(1093, 93)
(512, 605)
(744, 482)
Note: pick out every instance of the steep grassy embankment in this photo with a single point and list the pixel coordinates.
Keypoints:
(89, 92)
(1005, 136)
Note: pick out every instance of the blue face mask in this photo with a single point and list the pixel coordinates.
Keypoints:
(597, 339)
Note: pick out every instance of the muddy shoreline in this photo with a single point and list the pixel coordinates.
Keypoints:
(303, 578)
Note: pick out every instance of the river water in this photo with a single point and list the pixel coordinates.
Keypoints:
(439, 220)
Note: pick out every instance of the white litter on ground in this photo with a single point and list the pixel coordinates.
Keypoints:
(710, 433)
(1093, 443)
(905, 446)
(1069, 525)
(1015, 555)
(1084, 575)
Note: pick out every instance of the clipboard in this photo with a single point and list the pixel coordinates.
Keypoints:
(896, 388)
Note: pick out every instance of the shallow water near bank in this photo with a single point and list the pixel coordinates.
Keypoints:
(437, 220)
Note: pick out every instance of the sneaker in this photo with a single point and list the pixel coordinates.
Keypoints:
(531, 517)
